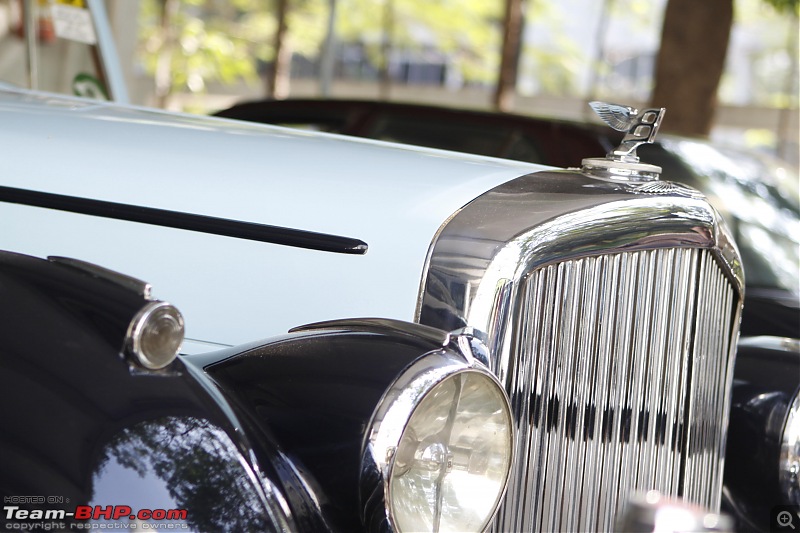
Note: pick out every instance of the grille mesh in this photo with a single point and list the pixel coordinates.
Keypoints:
(618, 377)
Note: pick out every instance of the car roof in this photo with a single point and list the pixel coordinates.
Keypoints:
(524, 138)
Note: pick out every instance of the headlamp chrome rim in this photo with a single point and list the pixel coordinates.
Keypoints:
(789, 463)
(138, 330)
(394, 413)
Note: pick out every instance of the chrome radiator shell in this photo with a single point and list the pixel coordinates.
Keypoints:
(611, 312)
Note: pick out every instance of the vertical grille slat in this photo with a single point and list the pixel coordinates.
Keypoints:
(603, 412)
(587, 344)
(619, 366)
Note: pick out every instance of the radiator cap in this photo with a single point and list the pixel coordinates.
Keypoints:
(622, 163)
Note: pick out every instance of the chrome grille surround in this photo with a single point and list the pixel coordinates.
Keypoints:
(611, 317)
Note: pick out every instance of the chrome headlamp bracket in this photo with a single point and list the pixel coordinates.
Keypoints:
(640, 127)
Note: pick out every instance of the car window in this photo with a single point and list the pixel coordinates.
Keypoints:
(445, 134)
(523, 148)
(63, 55)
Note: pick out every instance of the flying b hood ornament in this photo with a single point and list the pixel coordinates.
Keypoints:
(640, 128)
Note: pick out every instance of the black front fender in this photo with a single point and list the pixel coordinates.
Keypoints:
(308, 397)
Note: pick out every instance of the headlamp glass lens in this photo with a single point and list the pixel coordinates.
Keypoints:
(451, 465)
(162, 336)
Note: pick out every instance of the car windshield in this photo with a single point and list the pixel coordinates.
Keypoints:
(63, 54)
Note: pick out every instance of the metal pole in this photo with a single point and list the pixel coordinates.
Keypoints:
(30, 12)
(326, 66)
(117, 90)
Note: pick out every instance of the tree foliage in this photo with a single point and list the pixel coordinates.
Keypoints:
(786, 6)
(467, 31)
(551, 69)
(233, 41)
(220, 40)
(226, 41)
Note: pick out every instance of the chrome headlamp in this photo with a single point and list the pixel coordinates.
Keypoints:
(790, 453)
(155, 335)
(438, 451)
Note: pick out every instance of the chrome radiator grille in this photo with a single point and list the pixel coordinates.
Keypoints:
(619, 371)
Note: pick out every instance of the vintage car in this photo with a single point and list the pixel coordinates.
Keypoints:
(757, 195)
(550, 343)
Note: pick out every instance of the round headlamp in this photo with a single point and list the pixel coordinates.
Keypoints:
(438, 451)
(155, 335)
(790, 453)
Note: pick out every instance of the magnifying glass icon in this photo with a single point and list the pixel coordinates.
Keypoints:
(785, 519)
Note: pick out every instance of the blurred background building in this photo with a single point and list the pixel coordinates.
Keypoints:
(203, 55)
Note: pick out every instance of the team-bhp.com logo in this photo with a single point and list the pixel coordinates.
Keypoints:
(87, 517)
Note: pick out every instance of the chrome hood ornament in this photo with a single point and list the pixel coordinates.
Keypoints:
(640, 127)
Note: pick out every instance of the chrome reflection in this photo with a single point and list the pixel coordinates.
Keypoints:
(610, 316)
(789, 468)
(437, 454)
(155, 335)
(550, 217)
(616, 387)
(652, 512)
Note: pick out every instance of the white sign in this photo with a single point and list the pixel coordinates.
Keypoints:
(73, 23)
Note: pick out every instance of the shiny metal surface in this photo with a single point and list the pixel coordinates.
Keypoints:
(393, 414)
(640, 127)
(652, 512)
(620, 170)
(605, 367)
(711, 379)
(478, 258)
(789, 346)
(789, 472)
(609, 316)
(155, 335)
